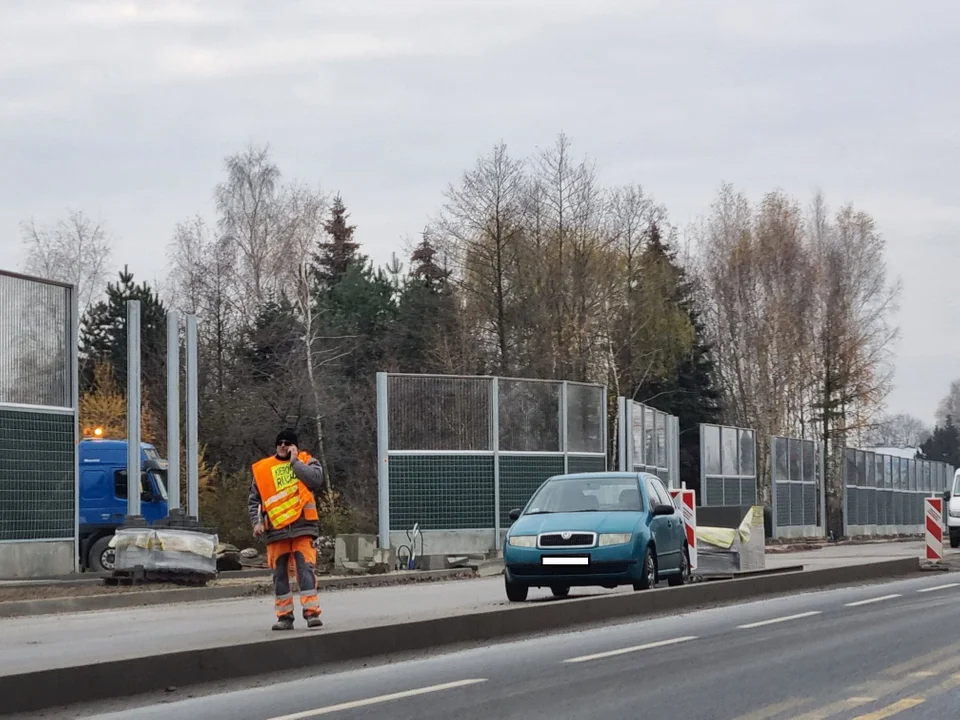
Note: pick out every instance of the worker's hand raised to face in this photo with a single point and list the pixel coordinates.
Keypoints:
(294, 452)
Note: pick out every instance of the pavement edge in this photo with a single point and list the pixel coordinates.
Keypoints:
(46, 689)
(147, 597)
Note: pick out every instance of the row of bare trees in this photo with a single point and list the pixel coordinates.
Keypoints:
(532, 268)
(800, 314)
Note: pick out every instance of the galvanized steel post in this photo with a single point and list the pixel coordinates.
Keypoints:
(133, 408)
(383, 458)
(193, 455)
(74, 334)
(173, 410)
(495, 446)
(563, 429)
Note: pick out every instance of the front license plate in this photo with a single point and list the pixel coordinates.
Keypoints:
(566, 560)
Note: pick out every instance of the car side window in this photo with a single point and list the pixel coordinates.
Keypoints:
(662, 492)
(652, 495)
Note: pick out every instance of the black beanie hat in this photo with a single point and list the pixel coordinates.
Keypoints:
(289, 435)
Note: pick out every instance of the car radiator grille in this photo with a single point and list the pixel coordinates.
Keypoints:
(575, 540)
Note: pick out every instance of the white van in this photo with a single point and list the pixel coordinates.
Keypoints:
(952, 497)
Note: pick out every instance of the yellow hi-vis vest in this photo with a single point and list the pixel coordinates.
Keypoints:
(285, 498)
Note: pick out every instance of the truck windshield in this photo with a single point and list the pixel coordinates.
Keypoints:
(160, 480)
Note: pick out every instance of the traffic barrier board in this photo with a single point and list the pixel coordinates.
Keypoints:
(686, 502)
(933, 507)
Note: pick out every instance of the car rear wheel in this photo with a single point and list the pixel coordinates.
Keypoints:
(649, 577)
(560, 590)
(680, 579)
(516, 592)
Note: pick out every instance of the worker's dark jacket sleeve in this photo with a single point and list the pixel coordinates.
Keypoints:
(311, 475)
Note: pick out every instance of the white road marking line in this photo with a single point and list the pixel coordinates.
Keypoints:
(858, 603)
(939, 587)
(779, 620)
(378, 700)
(635, 648)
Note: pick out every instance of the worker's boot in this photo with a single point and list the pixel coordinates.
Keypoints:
(284, 623)
(314, 622)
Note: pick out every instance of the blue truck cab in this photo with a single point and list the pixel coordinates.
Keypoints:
(103, 495)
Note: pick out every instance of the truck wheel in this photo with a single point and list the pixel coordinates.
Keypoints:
(102, 557)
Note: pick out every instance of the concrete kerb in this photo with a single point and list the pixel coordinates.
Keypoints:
(142, 598)
(45, 689)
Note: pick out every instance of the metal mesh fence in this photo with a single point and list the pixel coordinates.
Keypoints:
(529, 416)
(798, 499)
(35, 352)
(37, 474)
(455, 445)
(885, 493)
(37, 413)
(728, 465)
(437, 413)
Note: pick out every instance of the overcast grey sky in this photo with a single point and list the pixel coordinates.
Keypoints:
(126, 109)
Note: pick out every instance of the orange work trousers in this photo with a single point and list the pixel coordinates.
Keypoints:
(286, 557)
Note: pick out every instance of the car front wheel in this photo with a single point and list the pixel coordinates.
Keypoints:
(684, 575)
(955, 540)
(516, 592)
(649, 577)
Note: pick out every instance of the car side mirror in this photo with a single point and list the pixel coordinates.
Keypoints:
(514, 515)
(663, 510)
(946, 496)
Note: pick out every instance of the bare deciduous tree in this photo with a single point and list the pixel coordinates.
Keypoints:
(76, 250)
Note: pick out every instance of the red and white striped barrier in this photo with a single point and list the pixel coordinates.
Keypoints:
(933, 511)
(685, 500)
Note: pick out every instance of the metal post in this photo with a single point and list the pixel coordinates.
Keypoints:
(495, 438)
(703, 468)
(193, 454)
(621, 434)
(74, 345)
(173, 410)
(773, 486)
(383, 458)
(133, 408)
(564, 445)
(604, 431)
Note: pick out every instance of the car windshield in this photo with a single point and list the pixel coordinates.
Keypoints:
(563, 495)
(956, 485)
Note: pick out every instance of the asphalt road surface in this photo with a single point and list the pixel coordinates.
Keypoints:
(870, 652)
(51, 641)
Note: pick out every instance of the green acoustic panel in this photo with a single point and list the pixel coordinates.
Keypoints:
(520, 476)
(441, 492)
(577, 464)
(37, 475)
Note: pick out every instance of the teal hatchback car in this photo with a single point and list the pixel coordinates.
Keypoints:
(595, 529)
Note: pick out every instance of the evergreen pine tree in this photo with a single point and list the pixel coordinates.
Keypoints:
(338, 253)
(943, 445)
(689, 390)
(103, 338)
(427, 321)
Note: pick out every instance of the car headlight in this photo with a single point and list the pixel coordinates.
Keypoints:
(615, 539)
(524, 541)
(954, 512)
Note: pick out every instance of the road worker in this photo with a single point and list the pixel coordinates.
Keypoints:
(283, 510)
